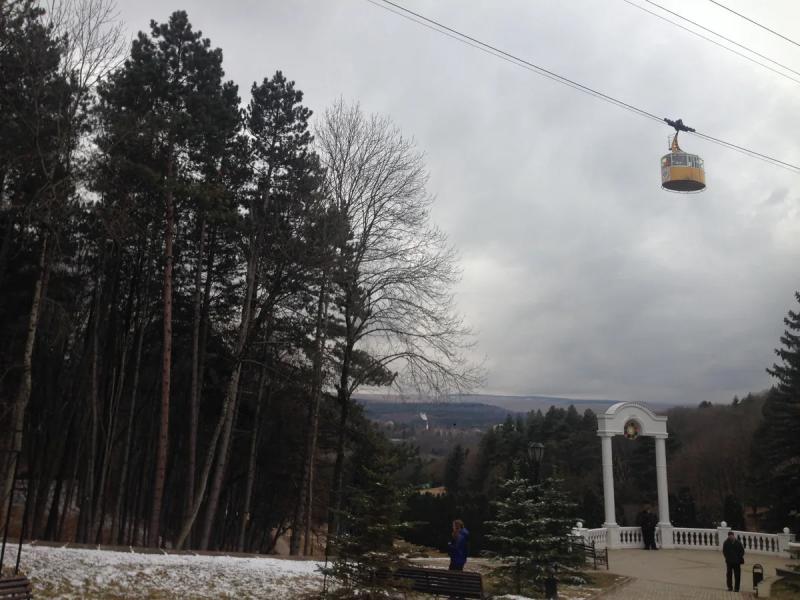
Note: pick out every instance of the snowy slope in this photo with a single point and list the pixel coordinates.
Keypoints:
(78, 573)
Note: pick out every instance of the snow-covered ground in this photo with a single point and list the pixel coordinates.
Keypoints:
(72, 573)
(78, 573)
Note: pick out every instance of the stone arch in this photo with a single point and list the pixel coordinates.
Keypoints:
(633, 419)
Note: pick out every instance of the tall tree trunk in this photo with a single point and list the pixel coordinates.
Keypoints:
(232, 395)
(123, 476)
(231, 398)
(208, 463)
(115, 398)
(25, 385)
(188, 523)
(5, 247)
(166, 367)
(140, 327)
(87, 522)
(73, 484)
(63, 451)
(194, 392)
(252, 459)
(52, 517)
(321, 337)
(343, 396)
(338, 468)
(306, 499)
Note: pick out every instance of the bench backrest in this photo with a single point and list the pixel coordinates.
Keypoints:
(440, 581)
(15, 588)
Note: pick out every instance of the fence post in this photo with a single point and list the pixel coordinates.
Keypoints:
(578, 529)
(784, 539)
(722, 533)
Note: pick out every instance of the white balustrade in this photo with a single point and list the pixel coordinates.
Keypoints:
(695, 539)
(630, 537)
(688, 538)
(760, 543)
(598, 536)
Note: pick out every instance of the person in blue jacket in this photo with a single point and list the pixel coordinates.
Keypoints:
(457, 547)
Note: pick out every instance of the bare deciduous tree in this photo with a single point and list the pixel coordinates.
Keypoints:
(93, 34)
(396, 272)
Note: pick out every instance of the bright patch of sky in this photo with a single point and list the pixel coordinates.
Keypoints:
(581, 276)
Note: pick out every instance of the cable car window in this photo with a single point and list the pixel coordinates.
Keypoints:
(679, 160)
(665, 161)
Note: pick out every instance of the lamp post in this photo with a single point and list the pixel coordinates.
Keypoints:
(535, 455)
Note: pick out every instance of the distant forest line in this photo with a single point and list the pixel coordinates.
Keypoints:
(715, 466)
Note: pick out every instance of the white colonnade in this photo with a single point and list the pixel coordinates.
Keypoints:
(632, 420)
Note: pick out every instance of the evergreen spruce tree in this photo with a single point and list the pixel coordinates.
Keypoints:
(454, 469)
(364, 551)
(777, 439)
(531, 532)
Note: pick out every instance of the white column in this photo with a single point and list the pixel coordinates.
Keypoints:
(612, 529)
(608, 481)
(664, 525)
(661, 474)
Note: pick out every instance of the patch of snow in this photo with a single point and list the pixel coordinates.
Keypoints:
(78, 573)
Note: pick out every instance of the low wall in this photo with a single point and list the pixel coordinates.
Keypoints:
(688, 538)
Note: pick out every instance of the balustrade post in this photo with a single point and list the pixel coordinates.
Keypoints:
(578, 529)
(783, 541)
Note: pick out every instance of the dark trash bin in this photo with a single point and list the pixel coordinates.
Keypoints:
(758, 575)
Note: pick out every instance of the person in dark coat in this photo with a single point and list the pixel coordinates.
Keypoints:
(733, 551)
(457, 546)
(647, 520)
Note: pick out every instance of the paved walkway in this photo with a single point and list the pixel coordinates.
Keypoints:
(682, 574)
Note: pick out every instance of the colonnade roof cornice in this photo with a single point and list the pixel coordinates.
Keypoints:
(626, 417)
(611, 434)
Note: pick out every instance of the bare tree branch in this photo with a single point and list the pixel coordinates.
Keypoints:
(398, 270)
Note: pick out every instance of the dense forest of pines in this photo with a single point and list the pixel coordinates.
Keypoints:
(193, 286)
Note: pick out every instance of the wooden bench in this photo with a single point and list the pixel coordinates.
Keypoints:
(15, 588)
(440, 582)
(593, 555)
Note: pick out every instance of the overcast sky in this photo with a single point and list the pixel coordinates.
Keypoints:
(581, 276)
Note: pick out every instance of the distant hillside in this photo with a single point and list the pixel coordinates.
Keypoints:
(512, 404)
(439, 415)
(529, 403)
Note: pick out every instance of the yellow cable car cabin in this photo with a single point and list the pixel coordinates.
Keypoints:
(681, 171)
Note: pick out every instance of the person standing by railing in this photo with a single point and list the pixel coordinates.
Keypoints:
(733, 551)
(647, 521)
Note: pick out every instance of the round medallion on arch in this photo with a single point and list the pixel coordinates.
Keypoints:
(632, 429)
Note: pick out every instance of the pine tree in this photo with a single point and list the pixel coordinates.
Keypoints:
(778, 434)
(165, 137)
(531, 532)
(364, 550)
(454, 469)
(38, 135)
